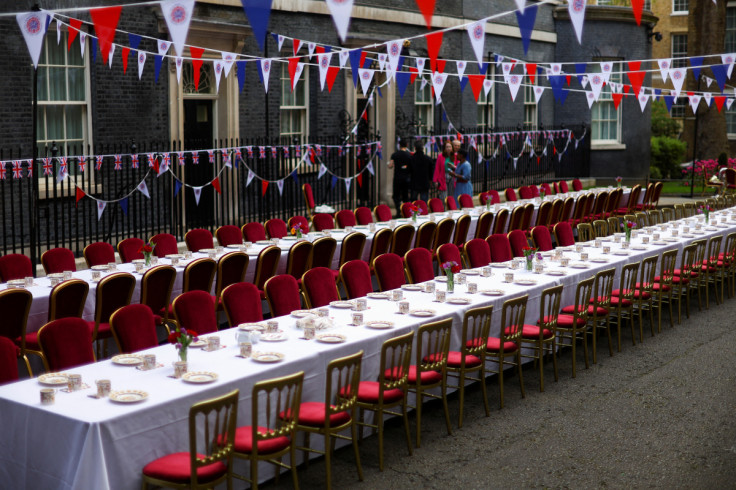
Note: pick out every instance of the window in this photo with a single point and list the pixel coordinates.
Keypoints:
(606, 123)
(486, 116)
(647, 3)
(294, 104)
(730, 48)
(423, 107)
(679, 50)
(530, 105)
(680, 106)
(63, 104)
(206, 79)
(679, 6)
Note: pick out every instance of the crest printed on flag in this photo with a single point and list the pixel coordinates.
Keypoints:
(33, 27)
(178, 15)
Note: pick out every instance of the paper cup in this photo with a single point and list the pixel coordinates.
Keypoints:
(440, 295)
(272, 326)
(309, 332)
(472, 288)
(508, 277)
(429, 287)
(361, 304)
(397, 295)
(404, 307)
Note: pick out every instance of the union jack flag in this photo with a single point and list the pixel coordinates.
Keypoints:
(298, 151)
(118, 162)
(211, 154)
(165, 160)
(82, 164)
(17, 170)
(29, 172)
(48, 167)
(98, 162)
(134, 161)
(261, 152)
(319, 150)
(273, 152)
(225, 157)
(339, 151)
(248, 149)
(182, 158)
(63, 170)
(2, 170)
(286, 152)
(357, 150)
(151, 157)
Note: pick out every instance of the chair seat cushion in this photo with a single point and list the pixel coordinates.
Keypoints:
(566, 321)
(532, 332)
(158, 320)
(427, 377)
(313, 415)
(616, 300)
(637, 293)
(494, 345)
(571, 309)
(31, 341)
(244, 441)
(678, 272)
(103, 330)
(675, 279)
(176, 468)
(368, 393)
(455, 359)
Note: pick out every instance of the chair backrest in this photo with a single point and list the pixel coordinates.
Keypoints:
(113, 292)
(567, 208)
(308, 198)
(478, 253)
(518, 241)
(425, 235)
(382, 212)
(323, 251)
(655, 216)
(268, 261)
(563, 234)
(525, 192)
(627, 282)
(512, 320)
(484, 197)
(547, 189)
(602, 289)
(422, 206)
(577, 185)
(253, 232)
(461, 230)
(128, 249)
(583, 293)
(600, 202)
(407, 209)
(436, 205)
(510, 194)
(319, 287)
(541, 238)
(526, 218)
(323, 221)
(448, 253)
(389, 270)
(341, 390)
(299, 259)
(231, 268)
(499, 226)
(195, 311)
(65, 344)
(199, 274)
(156, 286)
(544, 213)
(495, 198)
(668, 214)
(444, 232)
(433, 346)
(549, 308)
(418, 264)
(395, 362)
(585, 232)
(58, 260)
(667, 268)
(8, 361)
(588, 211)
(483, 227)
(99, 253)
(450, 203)
(218, 416)
(242, 303)
(282, 294)
(648, 192)
(352, 247)
(633, 198)
(276, 228)
(228, 235)
(15, 266)
(563, 186)
(714, 248)
(363, 215)
(381, 243)
(614, 224)
(197, 239)
(476, 325)
(301, 220)
(600, 228)
(730, 174)
(642, 220)
(517, 214)
(580, 206)
(356, 278)
(534, 190)
(344, 218)
(500, 248)
(275, 407)
(466, 201)
(402, 239)
(15, 305)
(134, 328)
(166, 244)
(647, 273)
(67, 299)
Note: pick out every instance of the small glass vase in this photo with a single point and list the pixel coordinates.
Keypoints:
(707, 218)
(628, 236)
(147, 256)
(529, 263)
(414, 217)
(183, 351)
(450, 282)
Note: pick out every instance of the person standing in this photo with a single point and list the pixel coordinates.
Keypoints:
(422, 169)
(401, 163)
(462, 174)
(442, 169)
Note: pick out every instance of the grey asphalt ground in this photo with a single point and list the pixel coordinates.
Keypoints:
(661, 414)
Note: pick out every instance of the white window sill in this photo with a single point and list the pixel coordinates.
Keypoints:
(732, 136)
(679, 13)
(607, 145)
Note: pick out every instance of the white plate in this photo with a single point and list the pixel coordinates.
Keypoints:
(662, 243)
(250, 327)
(599, 260)
(525, 282)
(267, 356)
(458, 301)
(99, 268)
(128, 396)
(441, 278)
(411, 287)
(620, 252)
(556, 273)
(127, 359)
(207, 250)
(579, 265)
(199, 377)
(289, 238)
(301, 313)
(492, 292)
(234, 246)
(672, 239)
(331, 338)
(687, 235)
(470, 272)
(57, 275)
(264, 242)
(53, 379)
(638, 247)
(198, 344)
(378, 295)
(499, 265)
(422, 313)
(380, 324)
(274, 337)
(17, 283)
(345, 305)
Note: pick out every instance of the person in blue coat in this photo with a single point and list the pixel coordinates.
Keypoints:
(462, 174)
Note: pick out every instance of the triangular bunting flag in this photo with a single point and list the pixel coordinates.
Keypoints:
(393, 50)
(264, 70)
(531, 71)
(178, 15)
(347, 184)
(295, 71)
(526, 19)
(296, 45)
(515, 81)
(438, 83)
(487, 86)
(728, 59)
(434, 43)
(264, 187)
(538, 91)
(141, 63)
(643, 99)
(696, 62)
(355, 57)
(636, 78)
(196, 64)
(216, 185)
(420, 66)
(197, 194)
(251, 175)
(721, 74)
(476, 83)
(74, 27)
(124, 205)
(324, 66)
(576, 10)
(227, 60)
(596, 84)
(322, 170)
(719, 100)
(280, 185)
(100, 209)
(637, 6)
(218, 74)
(477, 34)
(460, 65)
(402, 81)
(179, 64)
(258, 13)
(616, 96)
(590, 98)
(694, 102)
(606, 68)
(33, 27)
(366, 76)
(143, 189)
(677, 75)
(105, 21)
(79, 195)
(341, 11)
(241, 74)
(664, 68)
(332, 76)
(427, 9)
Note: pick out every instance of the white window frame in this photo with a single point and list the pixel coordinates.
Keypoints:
(423, 106)
(605, 98)
(285, 107)
(678, 63)
(487, 104)
(676, 11)
(530, 105)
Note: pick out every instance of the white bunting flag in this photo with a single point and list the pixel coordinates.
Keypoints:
(584, 81)
(370, 168)
(678, 77)
(514, 82)
(366, 76)
(109, 56)
(324, 60)
(708, 97)
(487, 86)
(227, 61)
(179, 63)
(58, 31)
(280, 41)
(82, 42)
(499, 60)
(606, 67)
(310, 48)
(322, 170)
(197, 194)
(460, 68)
(643, 99)
(251, 175)
(341, 11)
(280, 185)
(596, 84)
(141, 63)
(178, 15)
(420, 65)
(664, 68)
(424, 84)
(143, 189)
(708, 81)
(538, 91)
(477, 34)
(163, 47)
(266, 71)
(100, 209)
(506, 69)
(33, 27)
(438, 82)
(694, 102)
(728, 59)
(515, 160)
(218, 74)
(163, 167)
(297, 75)
(520, 4)
(393, 49)
(347, 184)
(556, 69)
(344, 55)
(729, 101)
(576, 9)
(382, 61)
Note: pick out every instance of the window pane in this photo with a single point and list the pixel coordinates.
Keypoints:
(76, 84)
(55, 122)
(74, 128)
(57, 83)
(56, 52)
(679, 50)
(43, 73)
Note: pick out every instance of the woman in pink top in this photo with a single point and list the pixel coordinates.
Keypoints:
(443, 165)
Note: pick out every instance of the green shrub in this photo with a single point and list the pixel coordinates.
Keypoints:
(667, 154)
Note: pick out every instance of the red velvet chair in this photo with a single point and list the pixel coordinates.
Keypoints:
(499, 226)
(282, 294)
(323, 251)
(113, 291)
(563, 234)
(510, 194)
(508, 342)
(444, 232)
(231, 269)
(356, 278)
(228, 235)
(461, 231)
(301, 220)
(563, 187)
(577, 185)
(484, 197)
(15, 266)
(500, 248)
(199, 275)
(402, 240)
(197, 239)
(323, 221)
(423, 208)
(58, 260)
(556, 187)
(319, 288)
(195, 312)
(242, 303)
(268, 261)
(8, 361)
(547, 189)
(517, 216)
(363, 215)
(67, 299)
(308, 198)
(478, 253)
(526, 218)
(15, 305)
(99, 253)
(253, 232)
(483, 227)
(425, 236)
(406, 209)
(156, 286)
(65, 344)
(543, 214)
(436, 205)
(389, 270)
(276, 228)
(299, 259)
(534, 190)
(451, 203)
(518, 241)
(541, 238)
(128, 249)
(351, 249)
(495, 198)
(448, 253)
(134, 328)
(381, 245)
(419, 267)
(344, 218)
(166, 244)
(466, 201)
(382, 213)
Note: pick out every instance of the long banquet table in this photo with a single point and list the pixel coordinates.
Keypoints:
(80, 442)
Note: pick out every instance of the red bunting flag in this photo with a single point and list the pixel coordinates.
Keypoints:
(80, 195)
(293, 62)
(568, 78)
(434, 42)
(74, 26)
(427, 8)
(414, 74)
(441, 66)
(627, 88)
(637, 6)
(531, 71)
(196, 64)
(297, 45)
(719, 100)
(105, 21)
(216, 185)
(331, 76)
(616, 99)
(476, 83)
(264, 187)
(124, 53)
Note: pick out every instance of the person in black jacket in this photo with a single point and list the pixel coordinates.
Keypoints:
(422, 169)
(401, 163)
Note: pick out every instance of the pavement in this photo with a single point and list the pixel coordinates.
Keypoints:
(659, 414)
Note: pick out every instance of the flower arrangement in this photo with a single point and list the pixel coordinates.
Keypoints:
(529, 254)
(451, 268)
(705, 210)
(414, 210)
(182, 338)
(147, 251)
(619, 179)
(297, 230)
(541, 192)
(628, 226)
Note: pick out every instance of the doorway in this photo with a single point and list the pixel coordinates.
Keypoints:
(199, 133)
